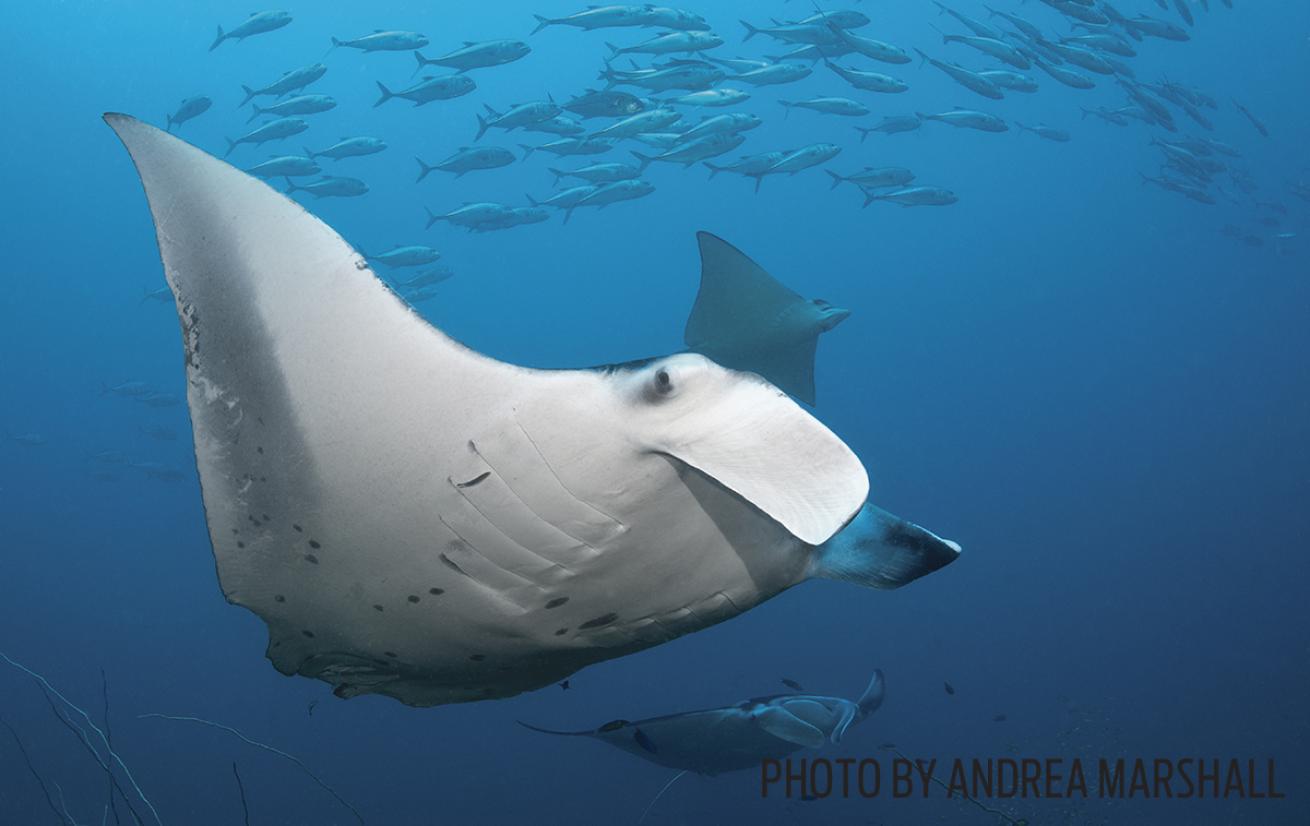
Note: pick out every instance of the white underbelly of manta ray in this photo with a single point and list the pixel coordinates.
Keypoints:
(415, 519)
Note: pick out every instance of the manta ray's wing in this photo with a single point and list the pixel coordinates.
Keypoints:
(745, 319)
(309, 383)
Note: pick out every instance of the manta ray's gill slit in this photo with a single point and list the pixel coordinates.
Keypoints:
(453, 565)
(476, 480)
(500, 595)
(558, 496)
(520, 526)
(498, 548)
(724, 594)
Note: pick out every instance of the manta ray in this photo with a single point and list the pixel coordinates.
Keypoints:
(415, 519)
(718, 740)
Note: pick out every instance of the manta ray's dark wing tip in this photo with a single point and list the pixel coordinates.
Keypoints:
(736, 311)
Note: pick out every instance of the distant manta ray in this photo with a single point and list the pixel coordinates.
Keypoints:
(415, 519)
(732, 738)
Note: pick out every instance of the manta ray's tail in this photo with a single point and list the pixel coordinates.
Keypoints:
(531, 727)
(879, 550)
(739, 303)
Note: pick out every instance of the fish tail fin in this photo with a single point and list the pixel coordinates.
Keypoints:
(714, 169)
(432, 217)
(169, 126)
(231, 144)
(787, 105)
(542, 22)
(291, 186)
(532, 201)
(751, 31)
(256, 113)
(482, 127)
(869, 197)
(335, 43)
(309, 153)
(615, 51)
(423, 169)
(386, 94)
(568, 213)
(864, 132)
(558, 173)
(759, 179)
(250, 95)
(527, 150)
(923, 58)
(879, 550)
(873, 695)
(945, 37)
(218, 38)
(421, 61)
(836, 179)
(643, 158)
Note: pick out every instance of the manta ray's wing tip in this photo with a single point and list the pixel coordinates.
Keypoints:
(735, 307)
(118, 120)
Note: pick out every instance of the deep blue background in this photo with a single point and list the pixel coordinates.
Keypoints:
(1101, 396)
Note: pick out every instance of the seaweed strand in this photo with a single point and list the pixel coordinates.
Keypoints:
(245, 810)
(263, 746)
(109, 738)
(45, 790)
(95, 755)
(112, 754)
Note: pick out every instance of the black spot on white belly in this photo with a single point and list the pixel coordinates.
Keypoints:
(602, 620)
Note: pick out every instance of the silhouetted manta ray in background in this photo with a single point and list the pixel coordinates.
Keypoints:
(745, 319)
(415, 519)
(718, 740)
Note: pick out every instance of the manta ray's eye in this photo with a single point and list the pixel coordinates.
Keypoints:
(663, 382)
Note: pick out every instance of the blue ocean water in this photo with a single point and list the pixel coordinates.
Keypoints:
(1099, 388)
